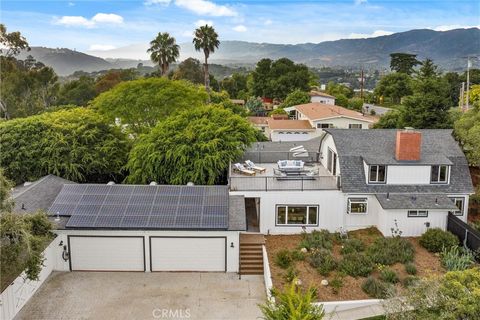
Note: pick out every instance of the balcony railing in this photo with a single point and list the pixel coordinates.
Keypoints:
(273, 156)
(300, 183)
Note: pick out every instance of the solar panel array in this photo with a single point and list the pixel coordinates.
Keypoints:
(142, 206)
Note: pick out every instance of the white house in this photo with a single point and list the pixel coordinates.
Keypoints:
(359, 178)
(321, 97)
(290, 130)
(322, 116)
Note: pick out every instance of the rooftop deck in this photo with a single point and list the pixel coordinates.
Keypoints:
(313, 177)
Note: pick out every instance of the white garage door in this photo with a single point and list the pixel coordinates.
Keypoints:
(107, 253)
(187, 254)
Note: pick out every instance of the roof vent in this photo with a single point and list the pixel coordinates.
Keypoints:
(190, 184)
(408, 145)
(153, 183)
(110, 183)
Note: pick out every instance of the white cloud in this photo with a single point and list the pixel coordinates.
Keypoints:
(99, 18)
(188, 33)
(240, 28)
(359, 2)
(202, 22)
(376, 33)
(100, 47)
(161, 2)
(267, 22)
(71, 4)
(453, 26)
(107, 18)
(204, 7)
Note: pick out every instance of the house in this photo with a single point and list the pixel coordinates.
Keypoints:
(260, 123)
(323, 116)
(351, 179)
(290, 130)
(321, 97)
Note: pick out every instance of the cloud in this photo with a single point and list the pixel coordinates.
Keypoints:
(71, 4)
(376, 33)
(100, 47)
(267, 22)
(161, 2)
(359, 2)
(204, 7)
(453, 26)
(202, 22)
(99, 18)
(239, 28)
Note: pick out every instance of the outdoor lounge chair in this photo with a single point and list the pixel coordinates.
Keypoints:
(238, 167)
(251, 166)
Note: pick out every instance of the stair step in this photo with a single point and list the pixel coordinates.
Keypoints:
(251, 258)
(251, 269)
(251, 273)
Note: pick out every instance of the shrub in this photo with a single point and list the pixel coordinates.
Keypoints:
(336, 284)
(291, 274)
(410, 268)
(323, 261)
(434, 240)
(352, 245)
(389, 275)
(409, 281)
(322, 239)
(356, 265)
(283, 259)
(456, 258)
(376, 288)
(297, 255)
(389, 251)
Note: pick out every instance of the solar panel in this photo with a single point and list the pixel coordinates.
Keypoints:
(145, 206)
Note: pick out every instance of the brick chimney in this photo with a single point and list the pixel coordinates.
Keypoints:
(408, 145)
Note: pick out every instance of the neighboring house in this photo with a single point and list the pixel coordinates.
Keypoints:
(290, 130)
(260, 123)
(324, 116)
(239, 102)
(321, 97)
(358, 178)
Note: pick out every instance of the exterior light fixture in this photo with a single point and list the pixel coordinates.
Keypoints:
(232, 245)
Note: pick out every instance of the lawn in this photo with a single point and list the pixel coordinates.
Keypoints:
(347, 264)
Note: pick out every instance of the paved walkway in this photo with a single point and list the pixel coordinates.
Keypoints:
(130, 295)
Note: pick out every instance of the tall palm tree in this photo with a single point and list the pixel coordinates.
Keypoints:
(164, 50)
(206, 39)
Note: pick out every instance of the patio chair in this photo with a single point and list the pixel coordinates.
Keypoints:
(240, 168)
(251, 166)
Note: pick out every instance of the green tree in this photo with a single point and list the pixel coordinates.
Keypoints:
(76, 144)
(196, 145)
(77, 92)
(336, 89)
(140, 104)
(206, 40)
(295, 98)
(189, 69)
(12, 42)
(164, 50)
(255, 106)
(467, 129)
(393, 119)
(114, 77)
(403, 62)
(6, 202)
(293, 304)
(355, 104)
(235, 85)
(452, 79)
(394, 86)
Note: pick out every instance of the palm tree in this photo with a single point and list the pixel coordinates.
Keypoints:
(164, 50)
(206, 39)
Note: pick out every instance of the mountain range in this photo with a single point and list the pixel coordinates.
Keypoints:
(448, 49)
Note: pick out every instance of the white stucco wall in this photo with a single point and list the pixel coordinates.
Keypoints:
(411, 226)
(325, 100)
(408, 174)
(293, 135)
(359, 221)
(342, 122)
(328, 143)
(232, 236)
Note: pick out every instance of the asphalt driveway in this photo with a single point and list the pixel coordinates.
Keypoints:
(129, 295)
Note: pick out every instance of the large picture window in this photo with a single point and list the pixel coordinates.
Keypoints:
(439, 174)
(297, 215)
(460, 203)
(417, 213)
(377, 174)
(357, 205)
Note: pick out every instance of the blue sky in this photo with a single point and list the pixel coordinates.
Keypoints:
(101, 25)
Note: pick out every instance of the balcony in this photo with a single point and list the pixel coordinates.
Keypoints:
(314, 177)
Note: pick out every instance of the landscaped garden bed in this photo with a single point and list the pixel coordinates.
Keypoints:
(365, 262)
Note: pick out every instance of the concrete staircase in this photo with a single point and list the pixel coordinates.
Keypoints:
(251, 254)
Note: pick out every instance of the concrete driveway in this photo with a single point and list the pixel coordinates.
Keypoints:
(129, 295)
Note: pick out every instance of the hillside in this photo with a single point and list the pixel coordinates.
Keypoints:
(448, 49)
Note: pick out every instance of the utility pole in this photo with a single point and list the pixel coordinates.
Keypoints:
(461, 96)
(468, 83)
(361, 84)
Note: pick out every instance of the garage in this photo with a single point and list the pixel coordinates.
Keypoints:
(188, 254)
(106, 253)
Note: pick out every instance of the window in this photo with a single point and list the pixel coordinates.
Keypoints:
(332, 162)
(324, 125)
(460, 203)
(297, 215)
(355, 126)
(378, 174)
(439, 174)
(417, 213)
(357, 205)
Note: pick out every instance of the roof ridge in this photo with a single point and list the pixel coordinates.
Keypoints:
(33, 184)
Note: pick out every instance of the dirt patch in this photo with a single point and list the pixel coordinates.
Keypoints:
(427, 264)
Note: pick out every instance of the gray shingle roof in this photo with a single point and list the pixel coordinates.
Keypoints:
(353, 146)
(38, 195)
(415, 201)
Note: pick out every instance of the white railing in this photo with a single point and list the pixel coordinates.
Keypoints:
(298, 183)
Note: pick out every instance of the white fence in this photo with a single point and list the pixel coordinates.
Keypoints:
(21, 290)
(267, 276)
